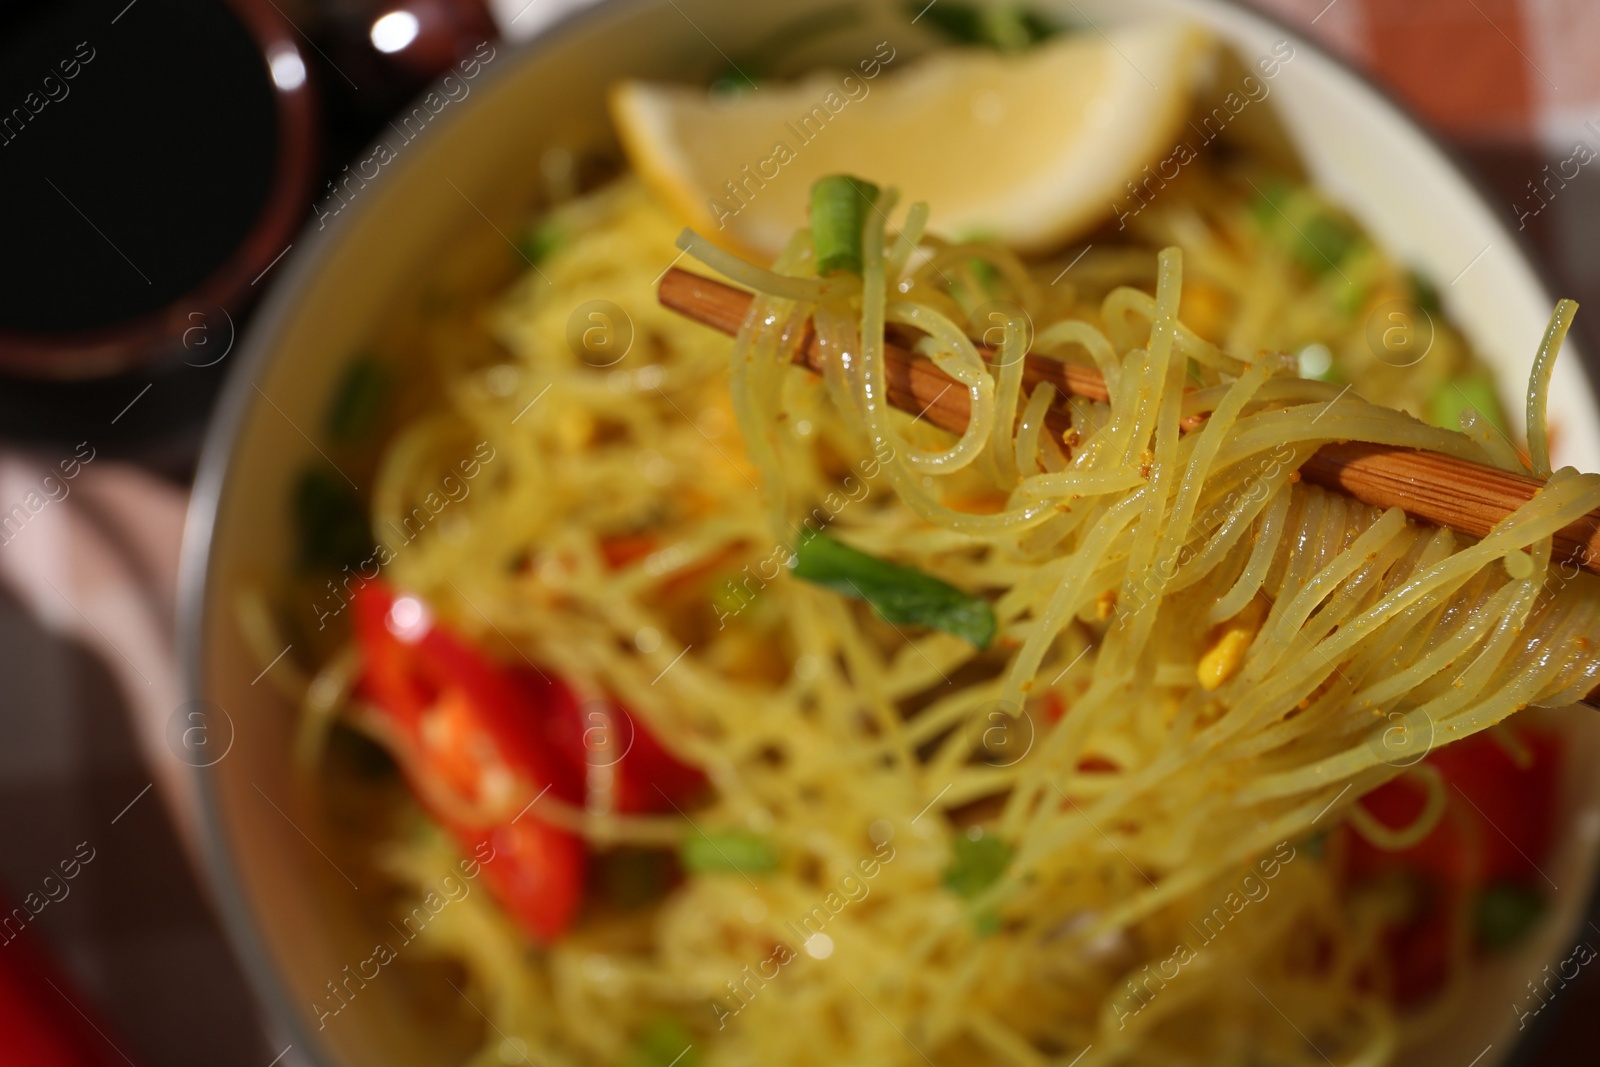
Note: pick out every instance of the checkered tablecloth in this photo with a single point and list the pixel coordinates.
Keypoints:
(1514, 85)
(1490, 72)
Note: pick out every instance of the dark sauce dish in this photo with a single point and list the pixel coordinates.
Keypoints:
(156, 158)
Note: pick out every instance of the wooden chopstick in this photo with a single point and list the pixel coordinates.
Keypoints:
(1467, 497)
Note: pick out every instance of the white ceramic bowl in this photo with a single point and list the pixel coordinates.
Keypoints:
(290, 914)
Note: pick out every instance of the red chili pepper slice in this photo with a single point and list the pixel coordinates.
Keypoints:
(1498, 826)
(601, 736)
(1499, 822)
(472, 730)
(475, 733)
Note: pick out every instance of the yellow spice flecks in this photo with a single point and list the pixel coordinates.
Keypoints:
(1226, 655)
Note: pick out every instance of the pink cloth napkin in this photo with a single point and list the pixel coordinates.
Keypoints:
(94, 557)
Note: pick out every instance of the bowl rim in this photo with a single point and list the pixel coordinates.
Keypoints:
(227, 421)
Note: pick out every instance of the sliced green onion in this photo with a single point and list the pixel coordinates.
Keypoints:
(899, 594)
(663, 1042)
(541, 239)
(976, 864)
(1506, 914)
(738, 79)
(717, 851)
(358, 403)
(1470, 391)
(839, 206)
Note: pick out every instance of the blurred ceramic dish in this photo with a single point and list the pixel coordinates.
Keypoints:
(290, 912)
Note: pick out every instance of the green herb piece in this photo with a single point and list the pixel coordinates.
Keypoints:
(1473, 391)
(899, 594)
(839, 206)
(1316, 845)
(540, 240)
(738, 80)
(975, 283)
(1424, 292)
(1325, 242)
(358, 403)
(1015, 28)
(1350, 299)
(746, 71)
(962, 23)
(1506, 914)
(634, 877)
(1007, 27)
(987, 277)
(1311, 232)
(976, 864)
(987, 274)
(663, 1042)
(330, 520)
(1267, 208)
(727, 850)
(1359, 279)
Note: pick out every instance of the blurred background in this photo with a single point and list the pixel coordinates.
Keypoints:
(163, 155)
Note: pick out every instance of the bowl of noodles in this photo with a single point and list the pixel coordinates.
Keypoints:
(599, 689)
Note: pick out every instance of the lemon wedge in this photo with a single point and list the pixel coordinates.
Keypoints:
(1028, 149)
